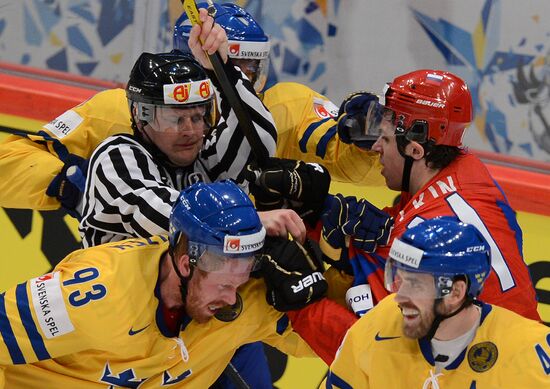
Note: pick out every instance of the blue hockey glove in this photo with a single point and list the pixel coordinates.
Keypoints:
(359, 119)
(341, 211)
(69, 184)
(369, 226)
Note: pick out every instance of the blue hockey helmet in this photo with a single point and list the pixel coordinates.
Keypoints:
(249, 46)
(444, 248)
(220, 223)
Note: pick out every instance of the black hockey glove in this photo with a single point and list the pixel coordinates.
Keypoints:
(292, 273)
(290, 183)
(69, 184)
(359, 119)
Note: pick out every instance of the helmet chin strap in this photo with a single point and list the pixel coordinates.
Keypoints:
(184, 281)
(402, 142)
(439, 318)
(406, 179)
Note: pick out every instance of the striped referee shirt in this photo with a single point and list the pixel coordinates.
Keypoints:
(130, 188)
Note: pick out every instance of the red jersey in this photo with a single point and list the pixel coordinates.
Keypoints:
(464, 189)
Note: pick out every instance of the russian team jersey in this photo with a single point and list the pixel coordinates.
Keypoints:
(464, 189)
(95, 322)
(507, 352)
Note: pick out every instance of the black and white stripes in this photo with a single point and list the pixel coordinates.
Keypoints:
(129, 192)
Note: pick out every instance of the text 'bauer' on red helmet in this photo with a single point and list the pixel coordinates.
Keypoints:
(430, 105)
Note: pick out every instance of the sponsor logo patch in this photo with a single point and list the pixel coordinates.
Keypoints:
(324, 108)
(187, 93)
(64, 124)
(49, 305)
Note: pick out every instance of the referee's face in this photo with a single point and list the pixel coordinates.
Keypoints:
(178, 133)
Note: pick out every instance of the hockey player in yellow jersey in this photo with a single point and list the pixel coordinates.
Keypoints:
(147, 313)
(305, 120)
(433, 333)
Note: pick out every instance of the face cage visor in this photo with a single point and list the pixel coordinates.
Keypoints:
(414, 284)
(198, 117)
(255, 70)
(237, 255)
(404, 274)
(252, 57)
(211, 260)
(365, 128)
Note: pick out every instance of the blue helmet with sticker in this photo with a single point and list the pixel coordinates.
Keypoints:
(249, 46)
(218, 219)
(445, 248)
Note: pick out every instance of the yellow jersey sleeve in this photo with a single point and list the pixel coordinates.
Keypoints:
(29, 164)
(306, 129)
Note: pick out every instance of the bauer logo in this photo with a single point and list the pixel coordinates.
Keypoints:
(49, 306)
(430, 103)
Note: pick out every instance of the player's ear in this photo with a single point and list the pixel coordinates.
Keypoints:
(415, 150)
(458, 291)
(182, 262)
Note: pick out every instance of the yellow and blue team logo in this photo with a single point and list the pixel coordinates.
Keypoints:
(482, 356)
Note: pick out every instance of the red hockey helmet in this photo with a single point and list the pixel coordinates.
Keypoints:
(430, 105)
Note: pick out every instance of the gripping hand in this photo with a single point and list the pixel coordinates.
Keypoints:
(292, 273)
(69, 184)
(300, 186)
(369, 227)
(358, 221)
(359, 119)
(336, 220)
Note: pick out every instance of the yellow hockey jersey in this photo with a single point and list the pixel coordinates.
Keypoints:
(305, 124)
(507, 352)
(306, 129)
(28, 166)
(95, 322)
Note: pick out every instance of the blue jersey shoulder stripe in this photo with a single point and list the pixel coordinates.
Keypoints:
(333, 379)
(307, 134)
(282, 324)
(8, 336)
(363, 268)
(36, 339)
(323, 142)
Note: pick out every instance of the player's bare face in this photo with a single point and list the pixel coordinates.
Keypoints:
(178, 133)
(208, 292)
(415, 298)
(390, 158)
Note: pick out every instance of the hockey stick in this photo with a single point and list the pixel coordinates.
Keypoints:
(229, 89)
(15, 131)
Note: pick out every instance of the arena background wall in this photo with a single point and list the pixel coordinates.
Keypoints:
(499, 48)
